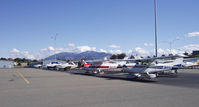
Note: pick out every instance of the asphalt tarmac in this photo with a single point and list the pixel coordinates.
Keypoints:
(29, 87)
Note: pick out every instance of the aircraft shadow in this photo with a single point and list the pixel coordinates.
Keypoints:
(115, 77)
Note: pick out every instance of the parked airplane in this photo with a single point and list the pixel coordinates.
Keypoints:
(52, 65)
(102, 66)
(191, 63)
(66, 66)
(37, 66)
(150, 68)
(138, 68)
(84, 64)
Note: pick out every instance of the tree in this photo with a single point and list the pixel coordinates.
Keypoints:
(163, 54)
(121, 56)
(3, 58)
(132, 57)
(35, 60)
(113, 56)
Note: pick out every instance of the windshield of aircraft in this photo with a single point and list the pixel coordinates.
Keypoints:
(165, 62)
(144, 63)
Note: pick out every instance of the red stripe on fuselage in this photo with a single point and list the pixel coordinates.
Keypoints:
(99, 67)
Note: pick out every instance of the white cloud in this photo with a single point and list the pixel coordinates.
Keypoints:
(85, 48)
(148, 44)
(142, 52)
(129, 52)
(15, 53)
(167, 52)
(115, 51)
(49, 51)
(192, 34)
(189, 48)
(14, 50)
(71, 45)
(113, 46)
(50, 48)
(161, 52)
(102, 50)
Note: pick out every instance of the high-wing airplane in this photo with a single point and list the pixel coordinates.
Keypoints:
(101, 66)
(66, 66)
(191, 62)
(150, 68)
(136, 68)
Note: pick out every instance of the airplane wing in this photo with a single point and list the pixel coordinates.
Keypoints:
(150, 59)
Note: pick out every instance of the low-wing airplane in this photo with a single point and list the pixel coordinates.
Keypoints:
(66, 66)
(136, 68)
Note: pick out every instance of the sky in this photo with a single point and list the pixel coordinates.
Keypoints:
(28, 27)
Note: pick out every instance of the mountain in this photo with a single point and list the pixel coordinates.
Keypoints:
(78, 56)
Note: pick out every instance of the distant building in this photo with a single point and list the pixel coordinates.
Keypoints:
(195, 52)
(23, 64)
(6, 64)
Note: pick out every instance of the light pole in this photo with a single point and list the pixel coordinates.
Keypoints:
(171, 43)
(155, 10)
(55, 38)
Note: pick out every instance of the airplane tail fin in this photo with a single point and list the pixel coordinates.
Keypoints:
(83, 62)
(197, 62)
(105, 58)
(72, 63)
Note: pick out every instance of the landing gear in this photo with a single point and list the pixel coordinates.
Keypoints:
(174, 72)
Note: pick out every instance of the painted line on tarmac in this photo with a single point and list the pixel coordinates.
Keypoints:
(22, 76)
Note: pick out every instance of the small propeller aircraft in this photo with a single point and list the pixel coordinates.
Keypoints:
(101, 66)
(66, 66)
(191, 63)
(150, 68)
(137, 68)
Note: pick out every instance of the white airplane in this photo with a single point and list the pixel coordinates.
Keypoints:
(136, 68)
(52, 65)
(191, 63)
(149, 68)
(104, 66)
(66, 66)
(37, 66)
